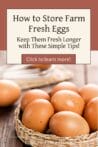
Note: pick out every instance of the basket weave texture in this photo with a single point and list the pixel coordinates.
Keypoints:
(37, 139)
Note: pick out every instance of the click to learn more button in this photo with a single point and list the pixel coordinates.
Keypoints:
(48, 59)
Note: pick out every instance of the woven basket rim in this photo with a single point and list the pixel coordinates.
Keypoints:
(82, 138)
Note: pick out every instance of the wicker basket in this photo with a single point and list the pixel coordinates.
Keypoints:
(36, 139)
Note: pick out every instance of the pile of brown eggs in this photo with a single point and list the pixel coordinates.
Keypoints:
(66, 111)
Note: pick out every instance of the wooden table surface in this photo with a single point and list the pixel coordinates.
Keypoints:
(82, 74)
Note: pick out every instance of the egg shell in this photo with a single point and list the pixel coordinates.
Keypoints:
(41, 66)
(68, 124)
(31, 95)
(9, 92)
(37, 114)
(67, 100)
(91, 114)
(88, 92)
(64, 86)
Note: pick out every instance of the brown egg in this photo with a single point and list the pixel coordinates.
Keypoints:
(37, 114)
(32, 95)
(64, 86)
(89, 91)
(9, 92)
(41, 66)
(91, 114)
(67, 123)
(67, 100)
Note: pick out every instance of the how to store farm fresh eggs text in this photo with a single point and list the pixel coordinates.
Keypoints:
(46, 19)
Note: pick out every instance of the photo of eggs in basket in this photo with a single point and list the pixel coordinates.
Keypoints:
(67, 111)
